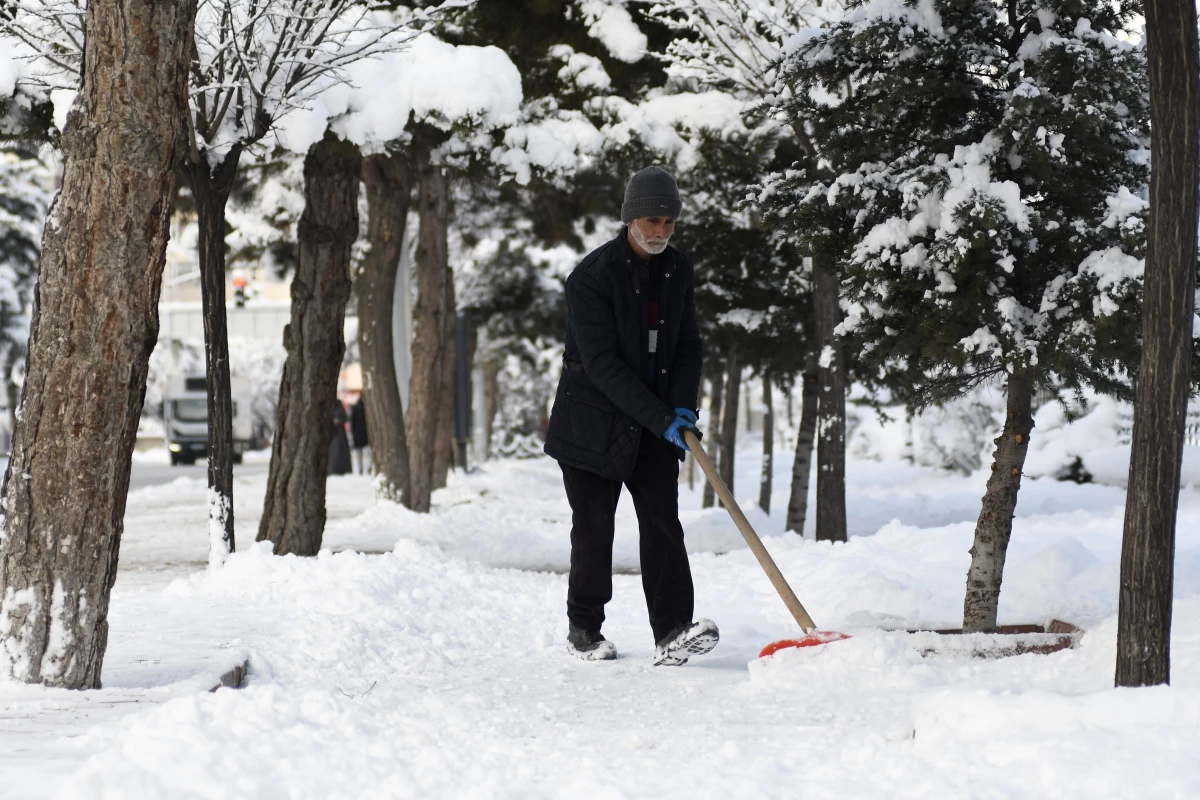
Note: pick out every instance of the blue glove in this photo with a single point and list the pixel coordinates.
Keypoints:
(685, 419)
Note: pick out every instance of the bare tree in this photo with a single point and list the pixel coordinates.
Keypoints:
(768, 455)
(1148, 547)
(95, 323)
(802, 462)
(831, 411)
(252, 62)
(733, 391)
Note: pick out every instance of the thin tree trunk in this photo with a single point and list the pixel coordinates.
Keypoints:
(714, 428)
(831, 411)
(443, 454)
(293, 517)
(797, 513)
(210, 191)
(491, 403)
(994, 526)
(95, 321)
(389, 180)
(768, 458)
(733, 392)
(429, 337)
(691, 460)
(1148, 547)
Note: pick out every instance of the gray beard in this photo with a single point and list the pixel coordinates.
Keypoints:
(650, 247)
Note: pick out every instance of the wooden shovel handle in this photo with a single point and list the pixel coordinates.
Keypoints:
(756, 546)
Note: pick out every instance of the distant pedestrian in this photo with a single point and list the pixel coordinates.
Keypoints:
(628, 389)
(358, 432)
(339, 445)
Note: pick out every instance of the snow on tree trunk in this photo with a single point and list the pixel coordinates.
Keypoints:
(797, 513)
(293, 517)
(210, 191)
(443, 454)
(831, 412)
(714, 430)
(994, 526)
(95, 323)
(429, 336)
(733, 391)
(1148, 547)
(491, 403)
(389, 182)
(768, 457)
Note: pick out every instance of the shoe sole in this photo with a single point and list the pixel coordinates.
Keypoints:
(698, 645)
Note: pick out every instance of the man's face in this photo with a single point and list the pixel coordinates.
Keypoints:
(652, 233)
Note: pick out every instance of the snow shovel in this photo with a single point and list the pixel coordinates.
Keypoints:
(812, 636)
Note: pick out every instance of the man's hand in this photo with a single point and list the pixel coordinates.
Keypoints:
(685, 419)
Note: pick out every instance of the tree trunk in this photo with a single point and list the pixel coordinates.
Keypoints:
(733, 391)
(831, 412)
(389, 180)
(95, 321)
(1148, 547)
(491, 403)
(210, 191)
(714, 428)
(994, 526)
(689, 458)
(443, 454)
(768, 458)
(293, 517)
(797, 513)
(429, 337)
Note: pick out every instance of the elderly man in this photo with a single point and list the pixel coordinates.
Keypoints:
(629, 385)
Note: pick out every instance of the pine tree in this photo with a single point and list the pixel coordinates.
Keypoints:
(26, 187)
(979, 190)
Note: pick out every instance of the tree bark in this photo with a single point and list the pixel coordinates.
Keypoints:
(768, 457)
(95, 321)
(733, 390)
(389, 180)
(293, 517)
(797, 513)
(1148, 547)
(714, 429)
(491, 403)
(994, 527)
(443, 454)
(210, 191)
(831, 412)
(429, 337)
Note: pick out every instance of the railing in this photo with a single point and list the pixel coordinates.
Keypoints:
(1191, 427)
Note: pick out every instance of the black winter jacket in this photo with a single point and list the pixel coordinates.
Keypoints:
(602, 403)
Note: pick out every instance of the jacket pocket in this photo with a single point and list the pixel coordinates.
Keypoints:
(591, 419)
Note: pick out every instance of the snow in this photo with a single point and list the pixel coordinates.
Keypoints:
(612, 25)
(430, 662)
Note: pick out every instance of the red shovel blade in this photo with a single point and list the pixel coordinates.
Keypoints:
(808, 640)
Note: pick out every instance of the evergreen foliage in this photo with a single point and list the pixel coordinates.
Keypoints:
(978, 181)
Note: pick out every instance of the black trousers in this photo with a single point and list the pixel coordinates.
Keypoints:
(666, 576)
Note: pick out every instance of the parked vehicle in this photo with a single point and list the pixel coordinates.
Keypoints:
(185, 418)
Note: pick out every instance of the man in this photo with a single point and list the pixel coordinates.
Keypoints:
(629, 386)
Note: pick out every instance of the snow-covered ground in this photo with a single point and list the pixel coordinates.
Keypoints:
(430, 662)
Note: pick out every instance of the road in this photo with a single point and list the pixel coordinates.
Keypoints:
(144, 474)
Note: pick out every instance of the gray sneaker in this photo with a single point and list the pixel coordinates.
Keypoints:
(589, 645)
(692, 639)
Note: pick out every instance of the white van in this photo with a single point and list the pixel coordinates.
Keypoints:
(185, 418)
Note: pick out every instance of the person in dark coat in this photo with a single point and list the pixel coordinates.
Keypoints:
(629, 387)
(339, 445)
(358, 431)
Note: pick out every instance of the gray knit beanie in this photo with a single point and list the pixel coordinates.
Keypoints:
(651, 193)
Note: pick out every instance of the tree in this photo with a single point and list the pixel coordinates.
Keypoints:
(389, 181)
(736, 46)
(978, 208)
(95, 323)
(293, 517)
(26, 187)
(1148, 547)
